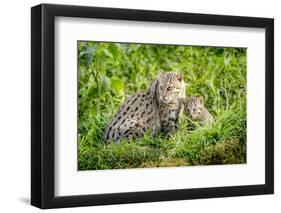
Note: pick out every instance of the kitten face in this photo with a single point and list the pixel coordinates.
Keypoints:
(171, 87)
(195, 107)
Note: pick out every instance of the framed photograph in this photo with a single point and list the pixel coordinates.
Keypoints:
(139, 106)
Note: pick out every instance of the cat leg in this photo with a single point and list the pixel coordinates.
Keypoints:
(132, 129)
(128, 128)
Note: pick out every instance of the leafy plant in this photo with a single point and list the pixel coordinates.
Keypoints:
(111, 72)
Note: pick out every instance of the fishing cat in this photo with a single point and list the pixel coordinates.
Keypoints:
(194, 109)
(152, 111)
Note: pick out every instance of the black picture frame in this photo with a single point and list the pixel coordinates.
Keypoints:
(43, 102)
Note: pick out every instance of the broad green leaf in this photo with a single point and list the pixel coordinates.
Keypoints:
(107, 53)
(105, 83)
(87, 54)
(117, 85)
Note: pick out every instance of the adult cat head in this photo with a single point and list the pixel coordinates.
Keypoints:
(171, 87)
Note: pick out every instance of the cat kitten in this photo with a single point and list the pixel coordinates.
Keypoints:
(152, 111)
(194, 109)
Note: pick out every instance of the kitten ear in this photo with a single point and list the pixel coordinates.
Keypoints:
(201, 100)
(180, 77)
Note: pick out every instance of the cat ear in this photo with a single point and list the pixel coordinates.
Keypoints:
(180, 77)
(160, 74)
(201, 100)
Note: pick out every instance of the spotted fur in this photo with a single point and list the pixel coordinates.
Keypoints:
(152, 111)
(194, 109)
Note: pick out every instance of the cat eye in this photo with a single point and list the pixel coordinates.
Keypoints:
(196, 110)
(169, 88)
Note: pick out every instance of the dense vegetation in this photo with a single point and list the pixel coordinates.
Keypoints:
(110, 72)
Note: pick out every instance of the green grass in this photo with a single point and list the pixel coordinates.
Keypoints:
(110, 72)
